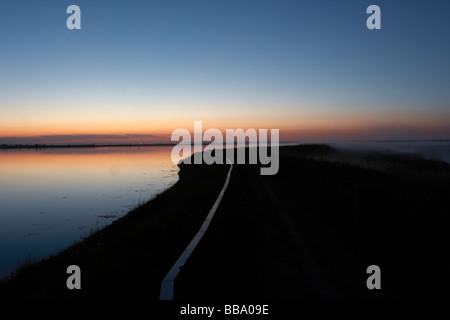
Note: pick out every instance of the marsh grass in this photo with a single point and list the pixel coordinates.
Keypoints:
(349, 216)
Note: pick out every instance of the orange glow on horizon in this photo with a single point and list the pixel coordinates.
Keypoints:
(292, 126)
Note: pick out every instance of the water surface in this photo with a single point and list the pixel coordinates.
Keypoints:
(51, 198)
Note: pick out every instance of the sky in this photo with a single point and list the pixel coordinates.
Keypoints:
(137, 70)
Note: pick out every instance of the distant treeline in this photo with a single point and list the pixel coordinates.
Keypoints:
(47, 146)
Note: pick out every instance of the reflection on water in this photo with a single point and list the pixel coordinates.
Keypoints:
(52, 197)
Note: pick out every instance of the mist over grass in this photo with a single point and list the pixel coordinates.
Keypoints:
(425, 149)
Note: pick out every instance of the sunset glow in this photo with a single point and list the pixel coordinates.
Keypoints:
(312, 70)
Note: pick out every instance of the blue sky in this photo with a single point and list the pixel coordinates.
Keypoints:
(144, 67)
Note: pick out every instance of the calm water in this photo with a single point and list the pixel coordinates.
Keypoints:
(51, 198)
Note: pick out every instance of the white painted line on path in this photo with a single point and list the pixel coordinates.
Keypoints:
(168, 283)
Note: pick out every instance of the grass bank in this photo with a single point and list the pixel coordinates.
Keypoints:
(128, 258)
(308, 232)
